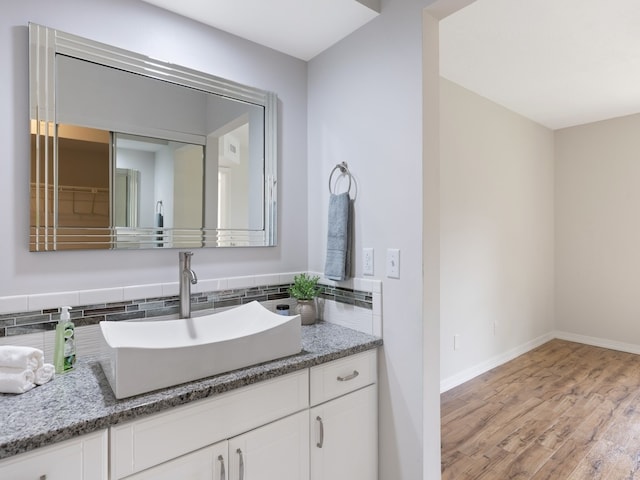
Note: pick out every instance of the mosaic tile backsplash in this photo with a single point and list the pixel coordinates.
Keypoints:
(82, 315)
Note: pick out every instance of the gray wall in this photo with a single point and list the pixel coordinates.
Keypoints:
(598, 232)
(365, 108)
(145, 29)
(497, 233)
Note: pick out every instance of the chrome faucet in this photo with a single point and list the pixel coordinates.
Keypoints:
(187, 278)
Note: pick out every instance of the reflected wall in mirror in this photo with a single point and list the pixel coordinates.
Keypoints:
(158, 184)
(129, 152)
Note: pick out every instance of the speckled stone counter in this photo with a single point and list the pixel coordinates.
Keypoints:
(81, 401)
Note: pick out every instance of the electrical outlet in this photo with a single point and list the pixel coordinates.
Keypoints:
(456, 342)
(367, 261)
(393, 263)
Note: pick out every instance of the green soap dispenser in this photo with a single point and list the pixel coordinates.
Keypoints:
(64, 354)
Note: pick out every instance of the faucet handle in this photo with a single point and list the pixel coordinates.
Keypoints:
(185, 257)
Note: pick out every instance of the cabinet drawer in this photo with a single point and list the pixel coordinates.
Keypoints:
(82, 458)
(342, 376)
(207, 464)
(141, 444)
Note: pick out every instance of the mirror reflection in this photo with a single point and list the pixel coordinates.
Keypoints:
(158, 183)
(128, 152)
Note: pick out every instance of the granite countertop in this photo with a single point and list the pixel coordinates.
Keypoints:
(81, 401)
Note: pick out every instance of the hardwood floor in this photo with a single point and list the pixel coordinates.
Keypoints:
(562, 411)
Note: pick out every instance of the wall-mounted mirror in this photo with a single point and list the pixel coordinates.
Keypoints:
(130, 152)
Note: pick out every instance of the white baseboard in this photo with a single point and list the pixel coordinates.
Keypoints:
(598, 342)
(469, 373)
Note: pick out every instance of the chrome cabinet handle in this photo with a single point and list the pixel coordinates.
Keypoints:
(239, 452)
(349, 377)
(223, 474)
(321, 442)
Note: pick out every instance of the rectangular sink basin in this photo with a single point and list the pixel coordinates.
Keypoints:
(139, 357)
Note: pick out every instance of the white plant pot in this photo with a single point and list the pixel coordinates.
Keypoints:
(307, 311)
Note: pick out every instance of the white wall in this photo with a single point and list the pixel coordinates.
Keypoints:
(144, 163)
(598, 230)
(365, 108)
(145, 29)
(163, 188)
(497, 231)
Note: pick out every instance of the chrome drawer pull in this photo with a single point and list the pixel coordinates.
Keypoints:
(349, 377)
(223, 474)
(321, 442)
(239, 452)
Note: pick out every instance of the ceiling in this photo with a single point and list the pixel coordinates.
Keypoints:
(300, 28)
(557, 62)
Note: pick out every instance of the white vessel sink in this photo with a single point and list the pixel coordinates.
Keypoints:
(139, 357)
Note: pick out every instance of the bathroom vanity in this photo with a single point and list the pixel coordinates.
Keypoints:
(309, 416)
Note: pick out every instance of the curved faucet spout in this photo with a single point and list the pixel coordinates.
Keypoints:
(187, 278)
(193, 278)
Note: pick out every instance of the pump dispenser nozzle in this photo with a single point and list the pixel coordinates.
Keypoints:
(64, 313)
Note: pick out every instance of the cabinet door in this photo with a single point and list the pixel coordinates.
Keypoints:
(146, 442)
(277, 450)
(83, 458)
(344, 437)
(209, 463)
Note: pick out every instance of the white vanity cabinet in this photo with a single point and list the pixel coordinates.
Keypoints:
(279, 450)
(344, 419)
(82, 458)
(265, 431)
(151, 441)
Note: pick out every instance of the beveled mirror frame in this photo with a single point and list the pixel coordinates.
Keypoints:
(45, 235)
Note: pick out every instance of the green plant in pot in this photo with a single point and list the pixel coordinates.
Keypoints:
(305, 289)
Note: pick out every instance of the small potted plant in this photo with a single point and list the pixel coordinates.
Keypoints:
(305, 289)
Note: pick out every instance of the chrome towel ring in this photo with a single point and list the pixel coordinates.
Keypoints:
(344, 170)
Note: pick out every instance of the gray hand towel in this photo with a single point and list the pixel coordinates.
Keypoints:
(338, 263)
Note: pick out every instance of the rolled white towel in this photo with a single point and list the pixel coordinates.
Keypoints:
(23, 358)
(44, 374)
(16, 380)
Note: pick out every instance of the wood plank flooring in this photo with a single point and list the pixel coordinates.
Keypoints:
(562, 411)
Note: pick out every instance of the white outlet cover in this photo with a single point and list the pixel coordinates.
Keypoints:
(367, 261)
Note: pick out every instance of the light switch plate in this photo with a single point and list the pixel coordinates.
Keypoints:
(393, 263)
(367, 261)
